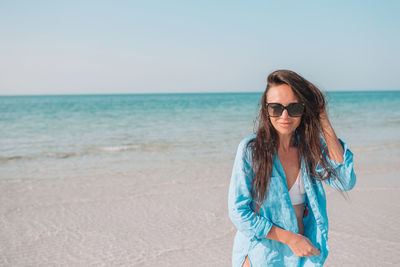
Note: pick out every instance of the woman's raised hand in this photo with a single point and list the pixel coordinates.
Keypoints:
(323, 117)
(302, 246)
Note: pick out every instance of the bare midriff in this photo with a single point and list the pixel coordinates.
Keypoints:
(299, 210)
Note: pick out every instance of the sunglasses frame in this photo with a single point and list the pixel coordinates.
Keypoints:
(285, 107)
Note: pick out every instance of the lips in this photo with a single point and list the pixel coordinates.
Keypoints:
(285, 123)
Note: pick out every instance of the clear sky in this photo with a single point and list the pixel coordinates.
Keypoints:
(84, 47)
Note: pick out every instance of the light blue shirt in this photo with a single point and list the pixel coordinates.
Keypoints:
(277, 210)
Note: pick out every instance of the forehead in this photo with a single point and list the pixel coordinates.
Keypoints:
(281, 94)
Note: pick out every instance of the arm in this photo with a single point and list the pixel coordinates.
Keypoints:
(334, 147)
(299, 244)
(339, 156)
(239, 199)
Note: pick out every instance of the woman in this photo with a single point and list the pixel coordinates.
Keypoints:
(276, 197)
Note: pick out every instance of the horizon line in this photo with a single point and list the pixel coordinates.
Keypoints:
(171, 93)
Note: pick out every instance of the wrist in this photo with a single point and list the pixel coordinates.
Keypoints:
(290, 238)
(325, 122)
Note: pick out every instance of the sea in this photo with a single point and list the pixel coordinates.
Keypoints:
(63, 136)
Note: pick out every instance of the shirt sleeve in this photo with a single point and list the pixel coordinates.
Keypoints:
(344, 170)
(239, 200)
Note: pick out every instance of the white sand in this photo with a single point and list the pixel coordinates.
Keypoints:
(174, 216)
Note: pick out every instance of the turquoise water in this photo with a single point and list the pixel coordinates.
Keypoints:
(61, 136)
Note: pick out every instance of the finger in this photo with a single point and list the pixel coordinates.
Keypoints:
(313, 251)
(309, 254)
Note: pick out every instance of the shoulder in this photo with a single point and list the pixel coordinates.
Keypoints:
(243, 143)
(243, 148)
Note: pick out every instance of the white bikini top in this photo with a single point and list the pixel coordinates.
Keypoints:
(297, 193)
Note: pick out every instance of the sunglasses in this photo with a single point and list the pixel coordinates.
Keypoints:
(293, 109)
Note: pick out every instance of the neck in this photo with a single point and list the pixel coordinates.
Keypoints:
(285, 142)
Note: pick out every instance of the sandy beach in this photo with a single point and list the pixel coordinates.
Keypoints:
(120, 122)
(177, 216)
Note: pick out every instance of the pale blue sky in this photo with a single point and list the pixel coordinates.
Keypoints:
(84, 47)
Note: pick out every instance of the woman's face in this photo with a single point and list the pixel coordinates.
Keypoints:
(283, 94)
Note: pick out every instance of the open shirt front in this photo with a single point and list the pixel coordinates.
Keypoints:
(250, 239)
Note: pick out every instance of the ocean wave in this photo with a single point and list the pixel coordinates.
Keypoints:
(60, 155)
(57, 155)
(159, 146)
(12, 158)
(141, 147)
(116, 148)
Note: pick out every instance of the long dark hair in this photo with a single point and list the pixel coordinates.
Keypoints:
(306, 136)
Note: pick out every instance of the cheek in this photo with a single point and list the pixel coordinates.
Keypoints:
(297, 122)
(273, 121)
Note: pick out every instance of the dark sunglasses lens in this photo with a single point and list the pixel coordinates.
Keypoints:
(295, 109)
(275, 110)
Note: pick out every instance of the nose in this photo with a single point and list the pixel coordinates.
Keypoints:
(284, 114)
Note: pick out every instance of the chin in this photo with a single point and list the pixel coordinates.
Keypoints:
(285, 131)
